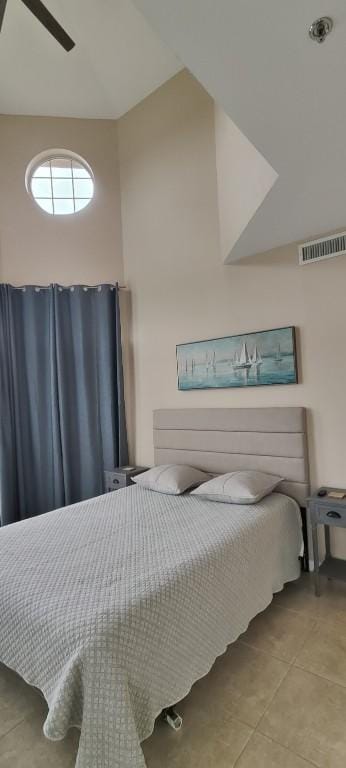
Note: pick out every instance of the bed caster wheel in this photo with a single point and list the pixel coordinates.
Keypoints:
(172, 718)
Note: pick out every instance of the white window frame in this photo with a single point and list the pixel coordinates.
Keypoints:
(51, 155)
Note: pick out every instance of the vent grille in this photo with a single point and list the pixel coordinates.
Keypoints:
(324, 248)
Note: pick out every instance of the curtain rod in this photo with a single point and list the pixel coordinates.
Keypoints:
(72, 285)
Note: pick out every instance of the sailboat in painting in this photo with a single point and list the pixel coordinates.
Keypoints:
(256, 359)
(210, 362)
(244, 359)
(278, 356)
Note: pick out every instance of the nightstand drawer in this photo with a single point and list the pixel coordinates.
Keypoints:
(111, 488)
(332, 515)
(114, 480)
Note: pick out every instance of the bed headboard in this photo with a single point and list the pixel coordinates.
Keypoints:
(222, 440)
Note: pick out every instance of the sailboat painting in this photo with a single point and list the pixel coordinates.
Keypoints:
(246, 360)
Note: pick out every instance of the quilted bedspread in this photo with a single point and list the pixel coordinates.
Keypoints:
(115, 606)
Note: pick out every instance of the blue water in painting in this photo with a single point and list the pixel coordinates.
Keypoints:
(209, 364)
(269, 372)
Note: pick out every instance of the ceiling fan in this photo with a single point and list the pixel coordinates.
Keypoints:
(45, 17)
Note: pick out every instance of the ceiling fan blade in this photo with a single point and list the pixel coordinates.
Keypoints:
(2, 11)
(49, 22)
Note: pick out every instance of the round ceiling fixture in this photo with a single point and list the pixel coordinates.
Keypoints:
(321, 28)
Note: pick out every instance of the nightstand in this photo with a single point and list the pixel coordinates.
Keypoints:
(327, 511)
(120, 477)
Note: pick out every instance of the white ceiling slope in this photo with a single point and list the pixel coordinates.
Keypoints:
(286, 94)
(244, 179)
(118, 60)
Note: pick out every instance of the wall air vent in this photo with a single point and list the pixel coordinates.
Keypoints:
(324, 248)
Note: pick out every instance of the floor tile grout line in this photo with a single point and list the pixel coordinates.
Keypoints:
(266, 653)
(319, 618)
(239, 720)
(284, 746)
(262, 652)
(244, 747)
(289, 666)
(20, 722)
(327, 622)
(306, 638)
(293, 610)
(296, 613)
(290, 662)
(320, 677)
(275, 656)
(273, 697)
(262, 733)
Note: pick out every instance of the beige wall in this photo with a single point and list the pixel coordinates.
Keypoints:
(38, 248)
(181, 291)
(86, 248)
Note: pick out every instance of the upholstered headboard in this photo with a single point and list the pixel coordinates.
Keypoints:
(222, 440)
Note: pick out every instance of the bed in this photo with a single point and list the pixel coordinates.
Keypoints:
(115, 606)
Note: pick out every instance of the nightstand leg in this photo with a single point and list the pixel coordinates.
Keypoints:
(327, 543)
(327, 539)
(316, 561)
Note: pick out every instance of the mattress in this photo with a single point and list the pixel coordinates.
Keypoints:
(115, 606)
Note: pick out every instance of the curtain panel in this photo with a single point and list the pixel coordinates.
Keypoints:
(62, 396)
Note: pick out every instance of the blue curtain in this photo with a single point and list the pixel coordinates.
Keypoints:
(62, 396)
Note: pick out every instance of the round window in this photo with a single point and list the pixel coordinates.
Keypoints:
(60, 182)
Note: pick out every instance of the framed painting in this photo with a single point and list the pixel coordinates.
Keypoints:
(246, 360)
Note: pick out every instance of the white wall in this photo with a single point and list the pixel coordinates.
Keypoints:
(181, 291)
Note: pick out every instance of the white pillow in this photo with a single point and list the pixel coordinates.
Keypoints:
(171, 478)
(246, 487)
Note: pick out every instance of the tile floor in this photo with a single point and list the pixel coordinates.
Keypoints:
(276, 699)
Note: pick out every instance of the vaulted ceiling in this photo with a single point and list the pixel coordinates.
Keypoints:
(285, 92)
(118, 60)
